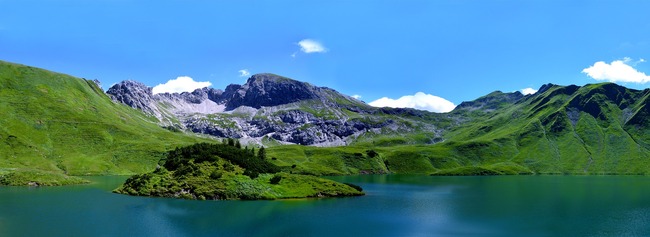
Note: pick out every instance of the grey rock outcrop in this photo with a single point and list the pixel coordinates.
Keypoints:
(269, 90)
(270, 106)
(133, 94)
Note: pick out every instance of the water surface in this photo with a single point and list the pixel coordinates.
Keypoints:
(395, 205)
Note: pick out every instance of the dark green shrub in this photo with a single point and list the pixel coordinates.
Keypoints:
(216, 174)
(261, 153)
(206, 152)
(251, 173)
(372, 153)
(276, 179)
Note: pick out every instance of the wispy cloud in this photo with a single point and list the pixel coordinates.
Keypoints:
(418, 101)
(356, 96)
(311, 46)
(528, 91)
(244, 73)
(617, 71)
(180, 84)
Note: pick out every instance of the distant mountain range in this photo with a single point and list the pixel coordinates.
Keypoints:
(273, 109)
(59, 124)
(598, 128)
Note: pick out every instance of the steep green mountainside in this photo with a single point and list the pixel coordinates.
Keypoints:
(54, 125)
(60, 124)
(593, 129)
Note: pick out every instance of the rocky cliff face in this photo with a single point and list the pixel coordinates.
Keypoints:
(166, 106)
(133, 94)
(270, 107)
(270, 90)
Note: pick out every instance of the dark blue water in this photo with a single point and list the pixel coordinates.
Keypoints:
(394, 206)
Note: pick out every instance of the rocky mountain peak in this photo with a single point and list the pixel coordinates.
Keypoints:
(545, 87)
(132, 93)
(270, 106)
(260, 77)
(197, 96)
(268, 90)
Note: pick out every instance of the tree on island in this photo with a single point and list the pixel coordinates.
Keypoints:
(261, 153)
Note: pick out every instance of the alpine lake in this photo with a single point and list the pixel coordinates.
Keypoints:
(394, 205)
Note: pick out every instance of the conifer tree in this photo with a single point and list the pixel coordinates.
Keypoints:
(261, 153)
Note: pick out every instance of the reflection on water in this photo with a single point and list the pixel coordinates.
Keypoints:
(395, 205)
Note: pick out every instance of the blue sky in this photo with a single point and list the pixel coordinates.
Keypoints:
(457, 50)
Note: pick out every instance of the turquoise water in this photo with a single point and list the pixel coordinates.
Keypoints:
(394, 206)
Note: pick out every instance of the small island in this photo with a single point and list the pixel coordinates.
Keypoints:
(208, 171)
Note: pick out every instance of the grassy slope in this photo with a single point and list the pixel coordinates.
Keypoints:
(54, 124)
(355, 159)
(595, 129)
(57, 124)
(564, 130)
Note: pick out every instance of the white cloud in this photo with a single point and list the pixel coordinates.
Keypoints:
(356, 96)
(244, 73)
(311, 46)
(617, 71)
(528, 91)
(629, 61)
(180, 84)
(418, 101)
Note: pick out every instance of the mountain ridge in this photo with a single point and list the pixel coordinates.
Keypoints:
(568, 130)
(268, 107)
(59, 124)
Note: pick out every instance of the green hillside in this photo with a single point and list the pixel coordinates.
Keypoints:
(594, 129)
(54, 124)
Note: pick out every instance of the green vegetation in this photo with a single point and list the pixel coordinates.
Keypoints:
(562, 130)
(24, 177)
(218, 171)
(366, 159)
(494, 169)
(54, 125)
(206, 152)
(595, 129)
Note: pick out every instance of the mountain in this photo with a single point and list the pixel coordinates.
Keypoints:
(54, 124)
(593, 129)
(271, 109)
